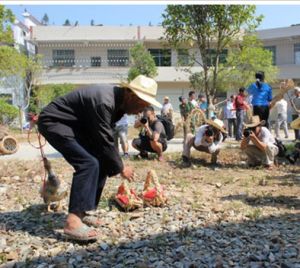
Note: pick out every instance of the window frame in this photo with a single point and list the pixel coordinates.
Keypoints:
(62, 60)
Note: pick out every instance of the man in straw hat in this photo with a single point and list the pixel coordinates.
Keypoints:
(208, 139)
(259, 144)
(80, 126)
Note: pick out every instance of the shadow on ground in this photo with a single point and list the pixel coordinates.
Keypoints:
(266, 242)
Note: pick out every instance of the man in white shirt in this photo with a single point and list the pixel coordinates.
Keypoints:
(121, 131)
(208, 139)
(281, 108)
(192, 98)
(167, 108)
(259, 144)
(230, 116)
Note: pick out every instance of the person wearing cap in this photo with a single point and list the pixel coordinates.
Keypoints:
(208, 138)
(167, 108)
(80, 125)
(261, 97)
(295, 103)
(259, 144)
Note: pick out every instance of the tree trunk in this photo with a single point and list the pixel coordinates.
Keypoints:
(21, 119)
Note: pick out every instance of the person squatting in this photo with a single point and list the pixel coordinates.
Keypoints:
(97, 114)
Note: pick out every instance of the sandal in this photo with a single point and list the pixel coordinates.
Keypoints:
(81, 234)
(91, 221)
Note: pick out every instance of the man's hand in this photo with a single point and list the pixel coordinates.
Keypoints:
(128, 173)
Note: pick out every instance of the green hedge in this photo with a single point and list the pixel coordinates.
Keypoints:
(42, 95)
(8, 112)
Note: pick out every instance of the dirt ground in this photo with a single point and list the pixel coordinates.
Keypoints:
(231, 194)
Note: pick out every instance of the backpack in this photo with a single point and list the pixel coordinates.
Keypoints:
(168, 125)
(281, 148)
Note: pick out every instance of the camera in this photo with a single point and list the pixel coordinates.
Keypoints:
(293, 156)
(247, 132)
(144, 120)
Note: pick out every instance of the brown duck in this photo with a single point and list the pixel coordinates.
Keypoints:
(53, 190)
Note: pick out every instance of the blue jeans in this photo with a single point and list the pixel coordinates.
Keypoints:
(240, 117)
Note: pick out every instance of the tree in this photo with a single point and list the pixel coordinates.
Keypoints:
(67, 23)
(246, 59)
(45, 19)
(19, 73)
(6, 19)
(211, 29)
(92, 23)
(141, 62)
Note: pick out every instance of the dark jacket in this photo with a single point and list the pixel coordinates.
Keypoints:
(89, 113)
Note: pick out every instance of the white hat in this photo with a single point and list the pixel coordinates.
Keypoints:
(297, 89)
(145, 88)
(216, 123)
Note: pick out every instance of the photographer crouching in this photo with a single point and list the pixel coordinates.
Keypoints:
(262, 149)
(152, 137)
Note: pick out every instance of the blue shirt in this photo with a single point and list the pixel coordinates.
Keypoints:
(203, 106)
(260, 96)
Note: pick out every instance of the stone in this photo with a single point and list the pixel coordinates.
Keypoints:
(2, 243)
(3, 189)
(290, 252)
(103, 246)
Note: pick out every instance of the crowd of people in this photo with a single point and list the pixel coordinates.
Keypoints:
(86, 124)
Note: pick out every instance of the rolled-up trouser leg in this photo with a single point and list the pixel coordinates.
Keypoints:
(88, 182)
(271, 152)
(187, 145)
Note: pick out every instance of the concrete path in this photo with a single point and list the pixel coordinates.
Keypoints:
(27, 152)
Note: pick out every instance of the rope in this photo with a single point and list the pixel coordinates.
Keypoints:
(33, 121)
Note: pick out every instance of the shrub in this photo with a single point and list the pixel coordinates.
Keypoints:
(8, 112)
(44, 94)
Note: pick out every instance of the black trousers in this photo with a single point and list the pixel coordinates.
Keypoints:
(88, 180)
(232, 127)
(263, 113)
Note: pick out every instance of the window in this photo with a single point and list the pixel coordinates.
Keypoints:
(183, 57)
(95, 61)
(297, 53)
(162, 57)
(118, 57)
(211, 54)
(63, 57)
(273, 50)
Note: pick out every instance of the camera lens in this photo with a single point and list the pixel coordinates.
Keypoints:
(247, 132)
(143, 120)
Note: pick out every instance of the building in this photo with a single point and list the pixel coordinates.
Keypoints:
(285, 46)
(12, 88)
(100, 54)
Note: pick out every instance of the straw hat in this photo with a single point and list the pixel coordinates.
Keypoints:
(166, 98)
(216, 123)
(296, 123)
(145, 88)
(255, 121)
